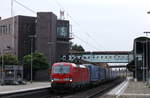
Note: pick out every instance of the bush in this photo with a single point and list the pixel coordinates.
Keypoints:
(39, 61)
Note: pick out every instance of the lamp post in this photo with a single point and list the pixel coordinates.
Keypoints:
(143, 58)
(31, 61)
(135, 57)
(2, 67)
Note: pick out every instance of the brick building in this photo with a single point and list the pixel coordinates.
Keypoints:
(44, 33)
(16, 36)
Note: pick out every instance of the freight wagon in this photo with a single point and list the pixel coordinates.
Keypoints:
(71, 75)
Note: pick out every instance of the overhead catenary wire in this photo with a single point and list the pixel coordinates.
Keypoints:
(85, 42)
(29, 9)
(87, 34)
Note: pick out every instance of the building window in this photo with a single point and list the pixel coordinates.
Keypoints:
(84, 57)
(4, 30)
(93, 57)
(62, 31)
(9, 30)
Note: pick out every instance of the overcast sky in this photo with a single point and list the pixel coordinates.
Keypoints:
(98, 25)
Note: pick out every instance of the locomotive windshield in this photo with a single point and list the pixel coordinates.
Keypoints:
(61, 69)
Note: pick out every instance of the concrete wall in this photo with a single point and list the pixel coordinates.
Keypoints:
(6, 35)
(42, 75)
(16, 35)
(26, 28)
(46, 35)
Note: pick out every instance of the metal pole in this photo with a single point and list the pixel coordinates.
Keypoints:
(126, 72)
(146, 60)
(135, 62)
(13, 24)
(126, 67)
(2, 68)
(143, 64)
(31, 58)
(11, 7)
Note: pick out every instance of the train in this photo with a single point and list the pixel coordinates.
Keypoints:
(76, 76)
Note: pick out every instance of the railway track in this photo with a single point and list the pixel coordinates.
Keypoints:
(104, 89)
(97, 91)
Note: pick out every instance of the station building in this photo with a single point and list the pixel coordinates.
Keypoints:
(141, 68)
(22, 35)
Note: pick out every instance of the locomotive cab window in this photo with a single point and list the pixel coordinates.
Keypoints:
(61, 69)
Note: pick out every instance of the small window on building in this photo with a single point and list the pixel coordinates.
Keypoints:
(6, 31)
(9, 30)
(84, 57)
(93, 57)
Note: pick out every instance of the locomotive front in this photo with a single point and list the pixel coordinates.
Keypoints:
(61, 75)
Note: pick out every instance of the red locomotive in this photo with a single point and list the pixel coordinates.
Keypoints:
(69, 75)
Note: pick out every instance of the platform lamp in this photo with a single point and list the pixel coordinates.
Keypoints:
(32, 37)
(2, 67)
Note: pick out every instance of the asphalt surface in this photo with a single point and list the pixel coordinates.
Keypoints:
(129, 89)
(5, 89)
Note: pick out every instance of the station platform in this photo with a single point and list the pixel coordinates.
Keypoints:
(8, 89)
(129, 89)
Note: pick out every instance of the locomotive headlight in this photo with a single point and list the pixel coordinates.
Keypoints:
(70, 80)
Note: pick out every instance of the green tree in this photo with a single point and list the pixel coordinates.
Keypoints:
(38, 59)
(9, 59)
(76, 47)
